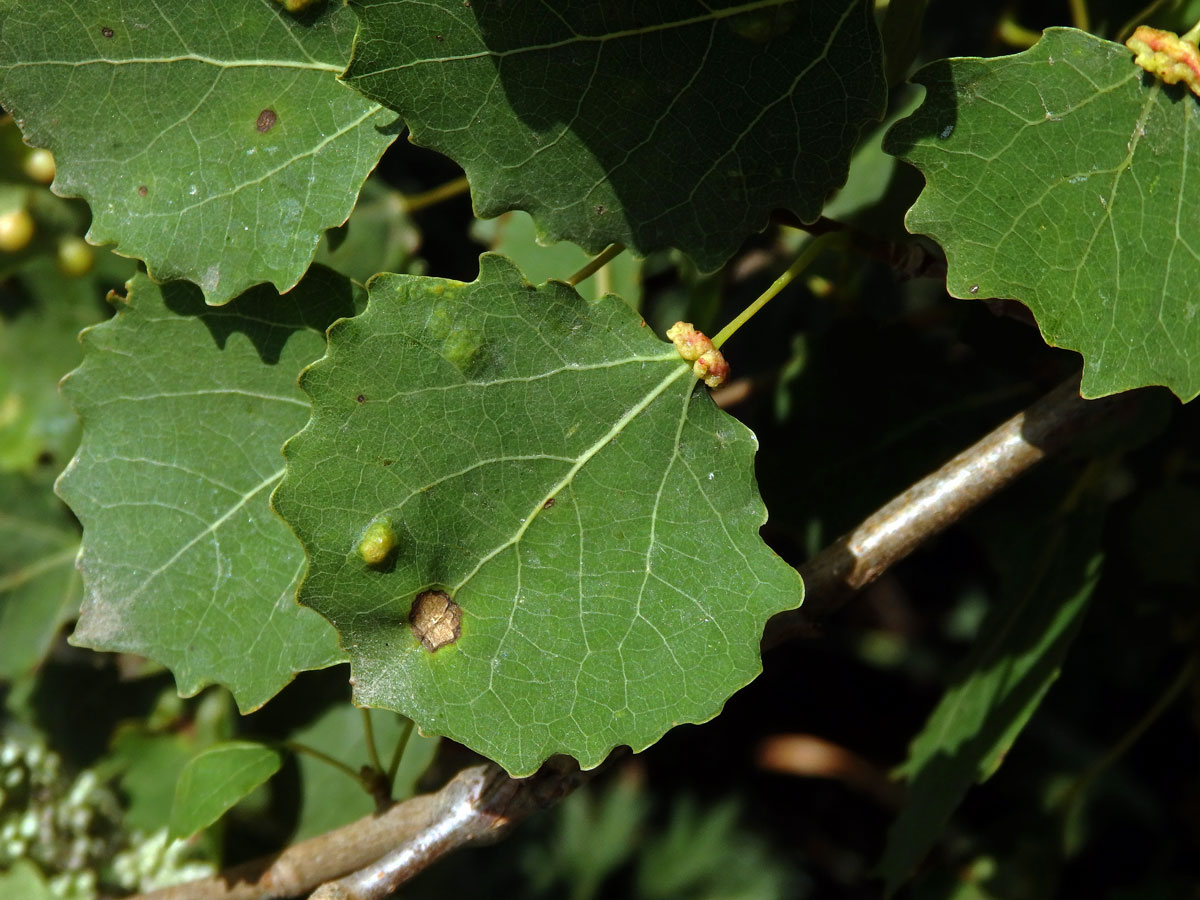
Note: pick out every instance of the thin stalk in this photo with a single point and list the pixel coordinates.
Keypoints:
(414, 202)
(369, 731)
(1074, 795)
(1141, 16)
(1009, 31)
(1079, 15)
(811, 251)
(297, 747)
(609, 253)
(398, 753)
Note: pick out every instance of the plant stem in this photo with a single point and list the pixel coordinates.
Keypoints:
(1009, 31)
(297, 747)
(1069, 804)
(480, 802)
(1079, 15)
(369, 732)
(1192, 33)
(803, 261)
(398, 753)
(1141, 16)
(609, 253)
(937, 501)
(414, 202)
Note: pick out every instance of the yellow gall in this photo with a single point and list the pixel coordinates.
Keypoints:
(712, 367)
(16, 230)
(690, 343)
(39, 165)
(377, 543)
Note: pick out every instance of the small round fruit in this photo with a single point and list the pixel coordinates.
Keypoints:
(75, 257)
(16, 230)
(39, 165)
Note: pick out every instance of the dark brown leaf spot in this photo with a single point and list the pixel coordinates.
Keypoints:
(143, 190)
(600, 210)
(361, 398)
(436, 620)
(549, 503)
(266, 121)
(438, 37)
(106, 31)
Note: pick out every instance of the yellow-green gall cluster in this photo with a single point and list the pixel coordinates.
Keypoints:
(1166, 55)
(708, 363)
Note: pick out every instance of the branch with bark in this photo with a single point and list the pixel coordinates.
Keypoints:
(369, 859)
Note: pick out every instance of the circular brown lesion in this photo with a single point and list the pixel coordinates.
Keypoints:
(266, 121)
(436, 620)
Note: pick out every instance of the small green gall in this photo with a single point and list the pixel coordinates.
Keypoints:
(690, 343)
(295, 6)
(1166, 55)
(75, 257)
(712, 367)
(378, 543)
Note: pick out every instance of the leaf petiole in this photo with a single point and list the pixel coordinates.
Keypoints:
(299, 748)
(369, 732)
(414, 202)
(398, 753)
(811, 251)
(611, 252)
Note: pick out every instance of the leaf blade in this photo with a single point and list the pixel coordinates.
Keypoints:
(590, 615)
(214, 781)
(607, 124)
(193, 175)
(1055, 177)
(184, 408)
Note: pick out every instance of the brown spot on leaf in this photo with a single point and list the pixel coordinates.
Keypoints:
(143, 190)
(438, 37)
(436, 620)
(361, 398)
(266, 121)
(549, 503)
(600, 210)
(106, 31)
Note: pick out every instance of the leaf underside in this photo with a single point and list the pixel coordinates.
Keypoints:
(184, 409)
(1060, 177)
(553, 466)
(211, 139)
(655, 125)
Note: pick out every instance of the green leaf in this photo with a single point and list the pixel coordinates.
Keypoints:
(329, 798)
(1056, 177)
(211, 139)
(215, 780)
(1000, 685)
(553, 467)
(184, 409)
(39, 587)
(673, 124)
(25, 880)
(39, 343)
